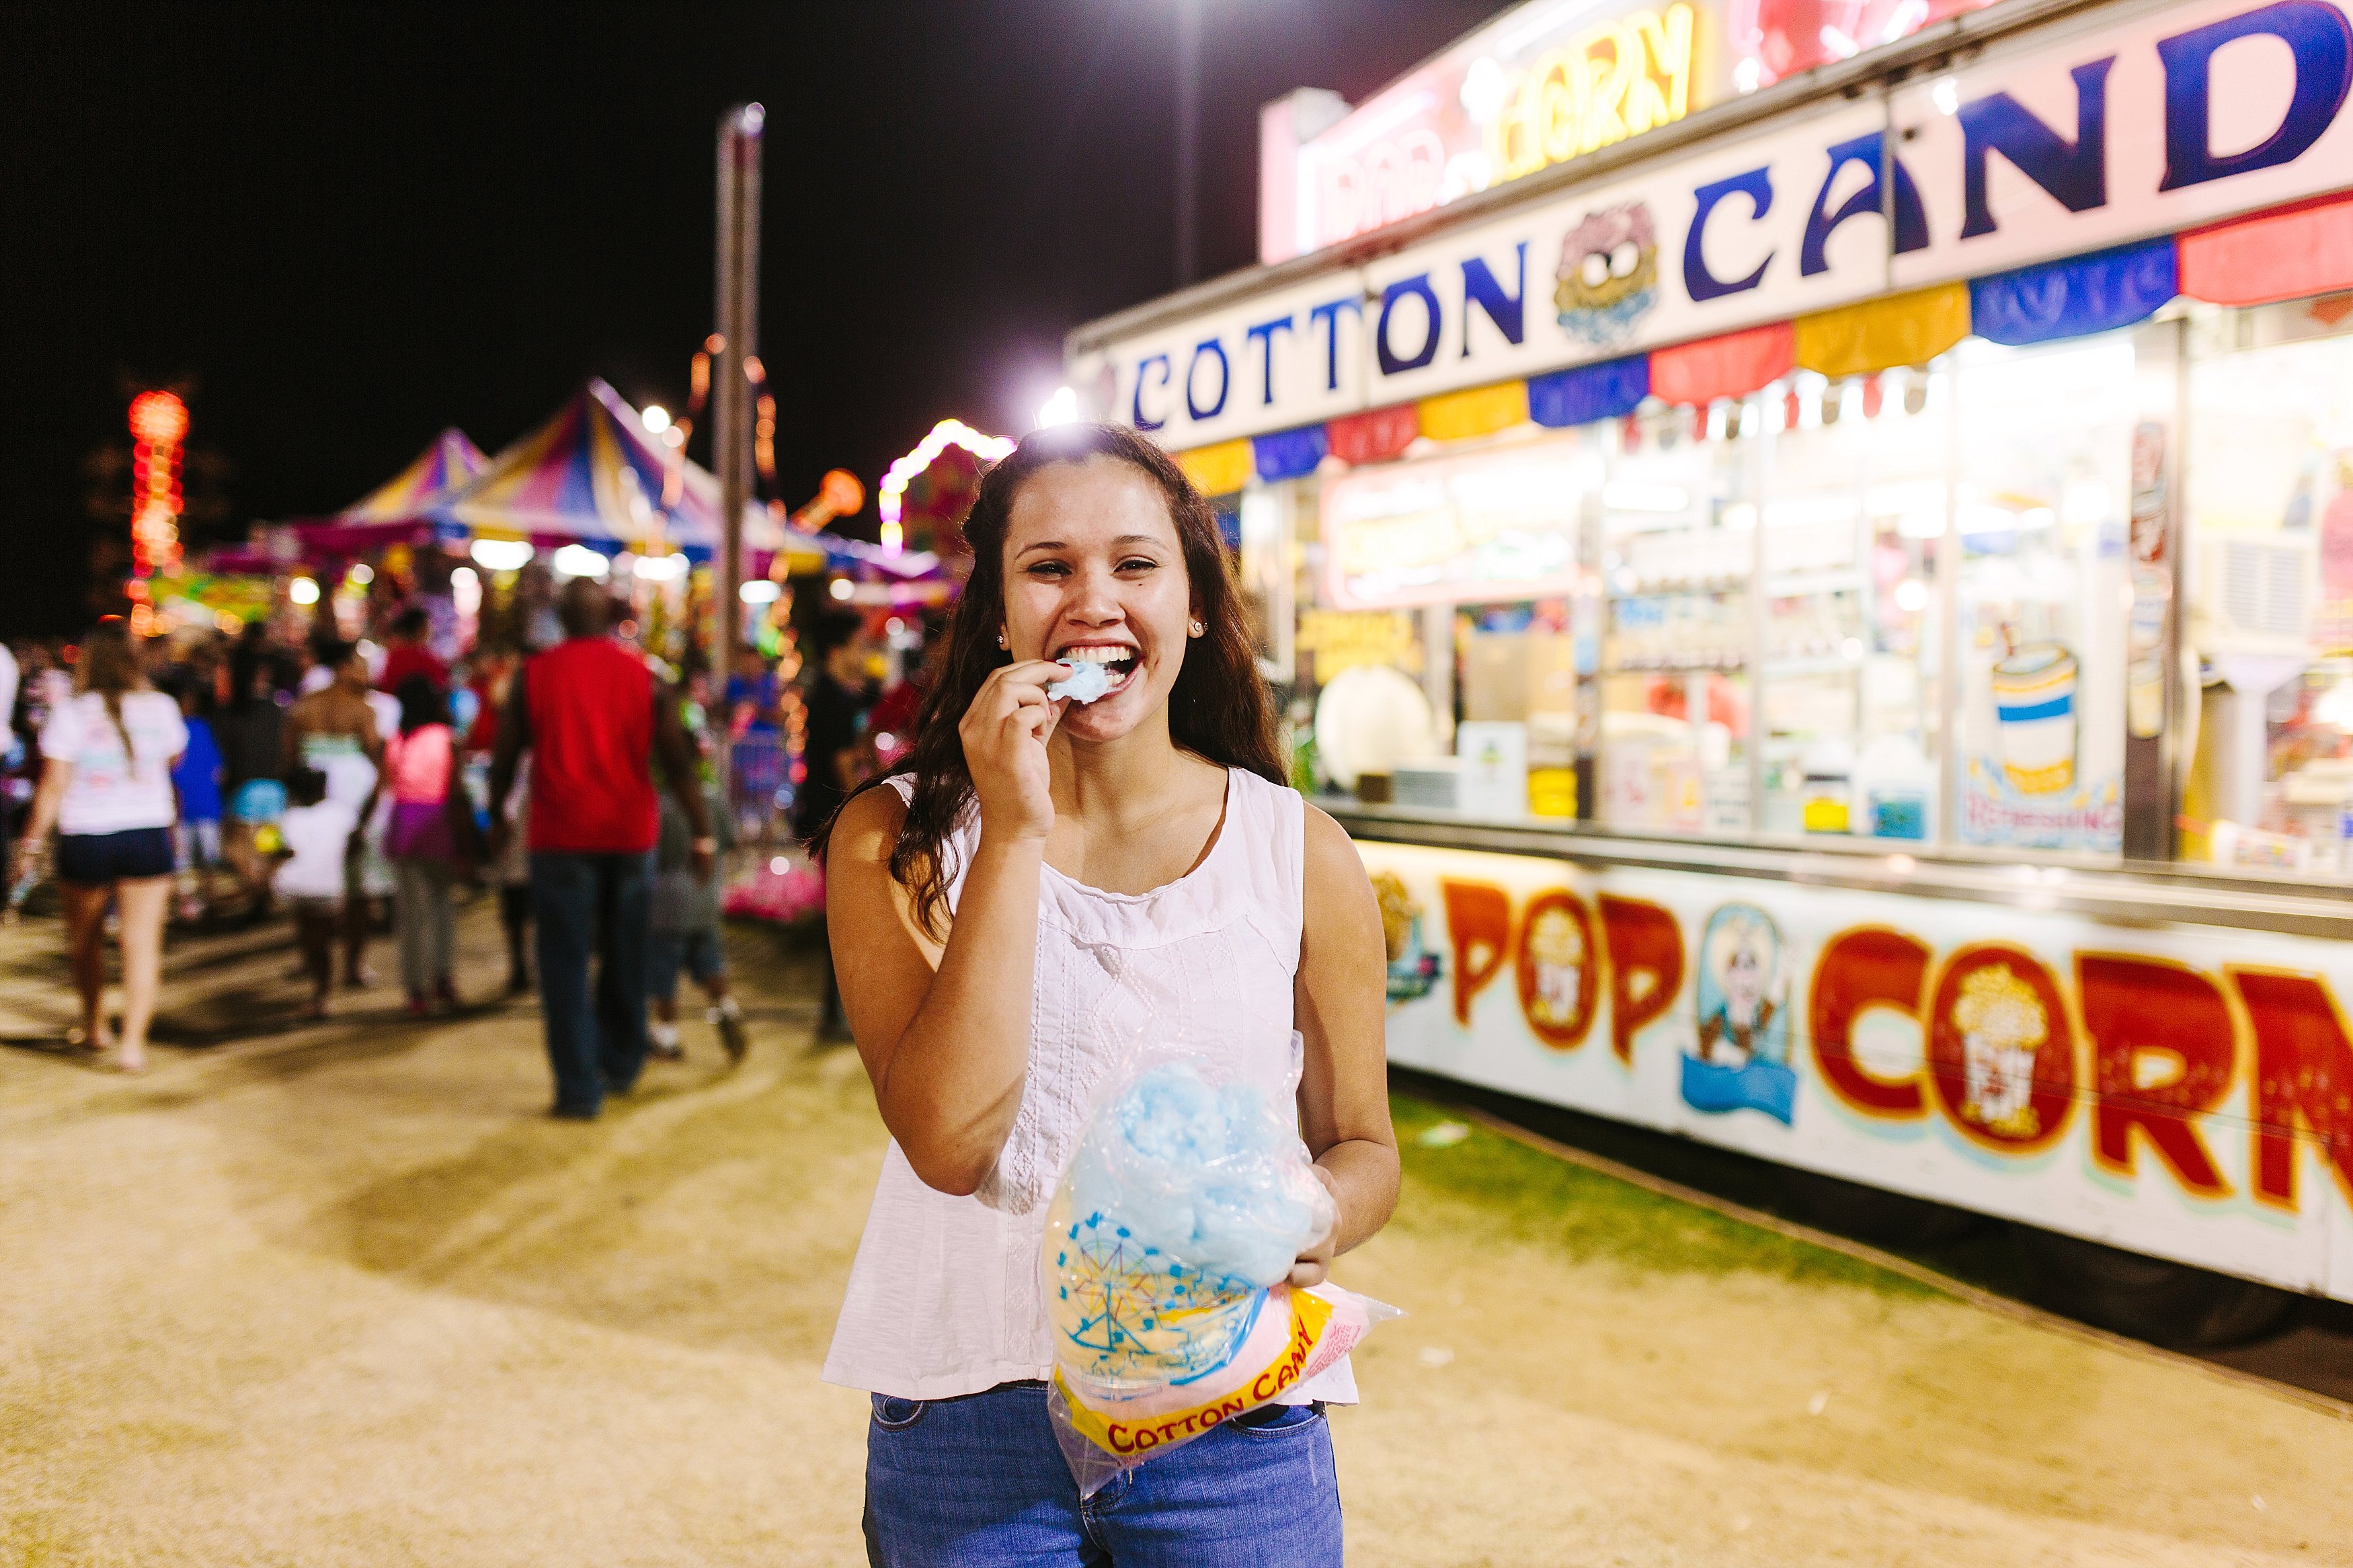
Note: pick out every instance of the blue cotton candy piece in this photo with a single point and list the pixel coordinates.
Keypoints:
(1212, 1177)
(1086, 683)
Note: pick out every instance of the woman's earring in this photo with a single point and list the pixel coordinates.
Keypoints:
(1196, 628)
(1000, 638)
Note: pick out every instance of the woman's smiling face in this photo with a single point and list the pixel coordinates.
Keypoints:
(1093, 570)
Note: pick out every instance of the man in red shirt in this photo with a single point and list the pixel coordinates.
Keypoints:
(406, 655)
(594, 718)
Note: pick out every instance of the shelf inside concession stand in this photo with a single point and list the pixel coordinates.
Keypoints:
(2138, 896)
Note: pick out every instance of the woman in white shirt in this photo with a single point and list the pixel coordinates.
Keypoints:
(1042, 891)
(106, 787)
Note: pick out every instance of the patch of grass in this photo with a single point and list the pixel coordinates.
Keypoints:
(1490, 1185)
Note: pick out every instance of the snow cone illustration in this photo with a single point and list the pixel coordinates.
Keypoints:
(1608, 277)
(2034, 703)
(2002, 1026)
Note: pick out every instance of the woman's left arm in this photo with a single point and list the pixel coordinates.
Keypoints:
(1340, 1002)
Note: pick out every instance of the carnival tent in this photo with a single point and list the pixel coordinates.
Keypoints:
(410, 500)
(592, 473)
(441, 470)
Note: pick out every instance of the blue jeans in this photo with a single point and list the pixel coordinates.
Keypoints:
(696, 952)
(977, 1482)
(586, 905)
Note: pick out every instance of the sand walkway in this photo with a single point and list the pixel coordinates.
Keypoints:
(339, 1295)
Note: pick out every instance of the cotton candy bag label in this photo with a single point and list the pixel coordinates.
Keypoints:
(1166, 1248)
(1305, 1332)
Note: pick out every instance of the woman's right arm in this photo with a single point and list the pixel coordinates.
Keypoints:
(945, 1030)
(60, 743)
(56, 773)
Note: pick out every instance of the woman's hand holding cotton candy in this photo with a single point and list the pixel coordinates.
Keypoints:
(1003, 733)
(1314, 1264)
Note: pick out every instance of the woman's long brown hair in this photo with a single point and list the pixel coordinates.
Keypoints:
(1219, 708)
(110, 667)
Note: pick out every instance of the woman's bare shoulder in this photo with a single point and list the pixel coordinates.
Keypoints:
(867, 903)
(1334, 869)
(1326, 840)
(867, 829)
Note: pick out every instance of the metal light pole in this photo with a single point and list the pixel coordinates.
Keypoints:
(739, 330)
(1188, 136)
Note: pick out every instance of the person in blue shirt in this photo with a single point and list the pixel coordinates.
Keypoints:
(196, 779)
(752, 692)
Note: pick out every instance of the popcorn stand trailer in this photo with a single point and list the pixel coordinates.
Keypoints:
(1818, 568)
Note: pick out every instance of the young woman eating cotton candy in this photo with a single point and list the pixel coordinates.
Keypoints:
(1046, 889)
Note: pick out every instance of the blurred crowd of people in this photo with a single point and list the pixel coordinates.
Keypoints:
(366, 785)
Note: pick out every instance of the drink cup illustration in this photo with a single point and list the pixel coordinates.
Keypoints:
(2034, 704)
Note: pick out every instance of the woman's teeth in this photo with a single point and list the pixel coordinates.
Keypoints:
(1117, 662)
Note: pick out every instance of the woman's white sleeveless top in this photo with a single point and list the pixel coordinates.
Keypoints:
(944, 1296)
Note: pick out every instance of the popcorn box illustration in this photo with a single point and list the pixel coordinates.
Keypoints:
(2003, 1026)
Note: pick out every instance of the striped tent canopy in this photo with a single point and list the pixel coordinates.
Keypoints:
(441, 471)
(408, 507)
(592, 473)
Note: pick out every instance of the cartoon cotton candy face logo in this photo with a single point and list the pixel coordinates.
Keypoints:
(1608, 277)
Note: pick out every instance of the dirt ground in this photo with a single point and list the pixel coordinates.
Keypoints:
(342, 1295)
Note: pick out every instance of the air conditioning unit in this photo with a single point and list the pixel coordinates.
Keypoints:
(2256, 594)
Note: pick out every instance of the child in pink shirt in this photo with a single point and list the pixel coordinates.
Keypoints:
(421, 765)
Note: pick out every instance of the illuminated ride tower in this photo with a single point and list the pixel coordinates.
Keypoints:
(159, 428)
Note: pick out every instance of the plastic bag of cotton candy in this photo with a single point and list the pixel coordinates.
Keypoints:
(1168, 1253)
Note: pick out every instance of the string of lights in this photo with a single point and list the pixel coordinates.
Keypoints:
(891, 496)
(159, 426)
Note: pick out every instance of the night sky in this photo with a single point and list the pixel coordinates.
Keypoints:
(355, 225)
